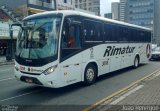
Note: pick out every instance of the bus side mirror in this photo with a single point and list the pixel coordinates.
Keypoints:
(16, 24)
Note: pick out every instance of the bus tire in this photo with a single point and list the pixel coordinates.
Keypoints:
(136, 62)
(90, 74)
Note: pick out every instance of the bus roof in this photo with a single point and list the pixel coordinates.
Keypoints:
(72, 12)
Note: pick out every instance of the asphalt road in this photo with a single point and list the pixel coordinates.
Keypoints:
(13, 92)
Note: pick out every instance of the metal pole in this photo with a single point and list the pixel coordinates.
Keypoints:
(9, 54)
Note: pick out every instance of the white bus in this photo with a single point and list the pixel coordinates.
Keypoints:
(59, 48)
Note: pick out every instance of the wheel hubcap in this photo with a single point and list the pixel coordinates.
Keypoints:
(90, 74)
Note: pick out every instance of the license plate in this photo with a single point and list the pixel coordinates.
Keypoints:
(28, 80)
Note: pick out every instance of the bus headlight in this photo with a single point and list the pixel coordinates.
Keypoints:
(50, 70)
(16, 68)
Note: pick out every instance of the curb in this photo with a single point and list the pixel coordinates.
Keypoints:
(94, 106)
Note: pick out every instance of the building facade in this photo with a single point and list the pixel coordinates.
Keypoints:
(88, 5)
(64, 5)
(141, 12)
(145, 13)
(156, 29)
(123, 8)
(115, 10)
(36, 6)
(27, 7)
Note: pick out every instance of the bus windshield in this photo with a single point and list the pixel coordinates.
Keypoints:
(38, 38)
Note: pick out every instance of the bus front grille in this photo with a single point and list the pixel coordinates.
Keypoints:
(30, 73)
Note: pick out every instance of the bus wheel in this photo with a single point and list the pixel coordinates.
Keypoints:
(136, 62)
(90, 74)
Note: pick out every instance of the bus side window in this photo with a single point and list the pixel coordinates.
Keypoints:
(73, 39)
(93, 32)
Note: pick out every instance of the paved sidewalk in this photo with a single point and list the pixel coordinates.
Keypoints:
(3, 61)
(149, 94)
(144, 96)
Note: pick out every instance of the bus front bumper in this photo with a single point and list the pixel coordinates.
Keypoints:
(40, 80)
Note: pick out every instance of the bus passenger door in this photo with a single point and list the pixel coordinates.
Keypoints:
(71, 57)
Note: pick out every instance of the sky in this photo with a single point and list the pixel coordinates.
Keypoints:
(106, 6)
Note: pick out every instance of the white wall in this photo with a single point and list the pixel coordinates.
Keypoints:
(4, 29)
